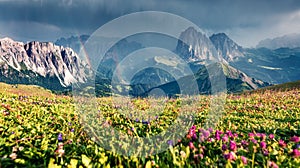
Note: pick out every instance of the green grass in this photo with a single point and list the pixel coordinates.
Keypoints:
(32, 119)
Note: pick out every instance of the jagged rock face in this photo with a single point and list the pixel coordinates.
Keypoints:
(226, 47)
(194, 46)
(43, 59)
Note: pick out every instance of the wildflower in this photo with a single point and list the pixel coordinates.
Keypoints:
(59, 137)
(21, 148)
(254, 141)
(244, 143)
(244, 160)
(263, 144)
(295, 139)
(170, 142)
(224, 147)
(225, 138)
(69, 123)
(251, 135)
(137, 120)
(72, 130)
(217, 135)
(296, 153)
(263, 136)
(271, 136)
(183, 154)
(14, 149)
(194, 137)
(232, 145)
(205, 133)
(229, 133)
(281, 143)
(191, 145)
(230, 156)
(13, 156)
(297, 146)
(265, 152)
(272, 164)
(60, 151)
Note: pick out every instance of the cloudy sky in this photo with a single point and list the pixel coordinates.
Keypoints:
(245, 21)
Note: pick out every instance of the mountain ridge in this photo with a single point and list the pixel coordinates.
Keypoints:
(33, 62)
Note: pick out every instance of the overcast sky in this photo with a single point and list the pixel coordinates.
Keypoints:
(245, 21)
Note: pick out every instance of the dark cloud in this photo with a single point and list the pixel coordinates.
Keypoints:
(64, 17)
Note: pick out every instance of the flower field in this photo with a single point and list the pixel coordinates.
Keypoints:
(259, 129)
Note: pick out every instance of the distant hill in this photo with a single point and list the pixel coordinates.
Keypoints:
(25, 90)
(283, 87)
(286, 41)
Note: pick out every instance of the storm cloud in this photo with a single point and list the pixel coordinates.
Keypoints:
(246, 22)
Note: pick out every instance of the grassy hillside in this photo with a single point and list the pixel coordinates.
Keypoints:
(279, 87)
(28, 90)
(38, 129)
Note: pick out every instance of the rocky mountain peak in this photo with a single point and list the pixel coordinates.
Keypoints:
(226, 47)
(41, 60)
(194, 46)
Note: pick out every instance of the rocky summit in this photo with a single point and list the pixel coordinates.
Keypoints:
(41, 63)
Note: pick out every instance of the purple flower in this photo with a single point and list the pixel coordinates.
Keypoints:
(170, 142)
(281, 143)
(72, 130)
(244, 143)
(69, 123)
(295, 139)
(273, 165)
(296, 153)
(132, 129)
(191, 145)
(254, 141)
(59, 137)
(229, 133)
(271, 136)
(194, 137)
(232, 145)
(12, 132)
(137, 120)
(219, 132)
(145, 122)
(217, 136)
(265, 152)
(297, 146)
(193, 127)
(225, 138)
(224, 147)
(205, 133)
(263, 136)
(251, 135)
(230, 156)
(263, 144)
(210, 130)
(244, 160)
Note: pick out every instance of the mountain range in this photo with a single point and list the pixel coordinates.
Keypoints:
(40, 63)
(56, 66)
(286, 41)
